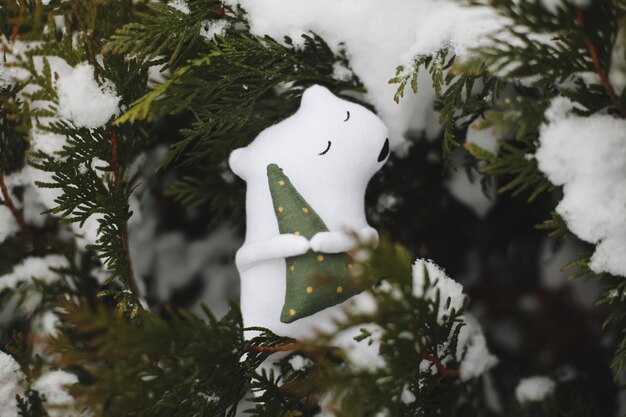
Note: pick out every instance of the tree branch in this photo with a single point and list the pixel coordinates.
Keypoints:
(278, 348)
(132, 282)
(441, 369)
(19, 217)
(91, 49)
(593, 52)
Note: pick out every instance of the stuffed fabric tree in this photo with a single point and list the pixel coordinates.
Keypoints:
(315, 280)
(306, 178)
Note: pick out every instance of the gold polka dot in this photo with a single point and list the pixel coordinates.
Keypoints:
(349, 266)
(292, 312)
(320, 258)
(305, 210)
(297, 233)
(309, 290)
(280, 209)
(339, 289)
(292, 268)
(281, 183)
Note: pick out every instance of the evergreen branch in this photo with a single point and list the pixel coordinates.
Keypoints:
(19, 217)
(593, 52)
(555, 226)
(279, 348)
(124, 229)
(91, 49)
(441, 369)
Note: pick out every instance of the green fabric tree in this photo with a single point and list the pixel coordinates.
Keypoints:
(315, 280)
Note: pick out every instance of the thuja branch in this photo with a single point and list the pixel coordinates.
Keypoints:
(124, 228)
(6, 196)
(441, 369)
(278, 348)
(595, 58)
(91, 49)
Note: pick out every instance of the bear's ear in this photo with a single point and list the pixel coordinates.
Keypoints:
(316, 95)
(236, 161)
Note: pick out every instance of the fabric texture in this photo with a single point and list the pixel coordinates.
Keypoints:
(315, 280)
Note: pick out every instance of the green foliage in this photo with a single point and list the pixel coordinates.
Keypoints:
(555, 226)
(13, 130)
(31, 404)
(517, 161)
(227, 112)
(409, 332)
(174, 366)
(178, 364)
(164, 34)
(224, 91)
(463, 95)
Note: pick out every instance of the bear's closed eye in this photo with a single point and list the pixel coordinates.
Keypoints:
(326, 150)
(347, 116)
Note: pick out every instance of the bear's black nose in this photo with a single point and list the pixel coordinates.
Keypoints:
(384, 151)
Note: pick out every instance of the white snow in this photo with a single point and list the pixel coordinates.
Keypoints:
(299, 363)
(535, 388)
(33, 267)
(477, 359)
(587, 156)
(210, 28)
(361, 355)
(83, 101)
(180, 5)
(378, 37)
(11, 378)
(53, 386)
(407, 397)
(8, 224)
(440, 283)
(472, 351)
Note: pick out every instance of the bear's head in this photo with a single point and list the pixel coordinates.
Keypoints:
(328, 142)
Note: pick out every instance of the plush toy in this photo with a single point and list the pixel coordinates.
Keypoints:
(306, 178)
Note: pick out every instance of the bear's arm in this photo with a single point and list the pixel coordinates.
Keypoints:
(337, 242)
(281, 246)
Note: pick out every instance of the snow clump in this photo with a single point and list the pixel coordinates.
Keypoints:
(587, 156)
(83, 101)
(11, 378)
(33, 267)
(8, 225)
(472, 351)
(53, 386)
(180, 5)
(210, 28)
(439, 283)
(535, 388)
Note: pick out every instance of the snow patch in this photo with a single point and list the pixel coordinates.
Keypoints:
(53, 386)
(8, 224)
(83, 101)
(440, 284)
(535, 388)
(11, 378)
(210, 28)
(587, 156)
(299, 363)
(472, 350)
(180, 5)
(361, 355)
(33, 267)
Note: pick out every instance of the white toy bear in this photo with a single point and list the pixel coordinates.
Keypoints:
(328, 150)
